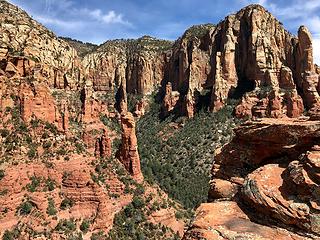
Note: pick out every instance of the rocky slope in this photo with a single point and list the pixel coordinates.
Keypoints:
(59, 176)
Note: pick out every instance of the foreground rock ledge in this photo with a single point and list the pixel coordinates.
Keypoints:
(226, 220)
(272, 170)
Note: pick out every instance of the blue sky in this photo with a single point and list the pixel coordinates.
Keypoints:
(98, 20)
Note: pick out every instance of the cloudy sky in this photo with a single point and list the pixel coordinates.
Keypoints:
(98, 20)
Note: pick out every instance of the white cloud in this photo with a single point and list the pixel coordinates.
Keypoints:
(110, 17)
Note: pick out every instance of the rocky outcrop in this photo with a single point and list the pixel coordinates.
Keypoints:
(128, 152)
(103, 146)
(248, 56)
(141, 108)
(226, 220)
(35, 50)
(270, 168)
(138, 63)
(170, 100)
(37, 101)
(71, 181)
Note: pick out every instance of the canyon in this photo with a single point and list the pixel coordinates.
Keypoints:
(70, 115)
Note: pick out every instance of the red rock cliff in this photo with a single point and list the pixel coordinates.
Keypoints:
(128, 152)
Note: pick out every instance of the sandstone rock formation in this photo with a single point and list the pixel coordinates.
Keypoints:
(73, 177)
(268, 170)
(248, 56)
(140, 63)
(128, 152)
(56, 132)
(226, 220)
(52, 59)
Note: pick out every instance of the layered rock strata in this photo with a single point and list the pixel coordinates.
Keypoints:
(269, 174)
(128, 152)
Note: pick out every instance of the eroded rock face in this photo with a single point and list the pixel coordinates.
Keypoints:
(38, 50)
(249, 56)
(270, 169)
(128, 152)
(71, 181)
(138, 63)
(226, 220)
(37, 101)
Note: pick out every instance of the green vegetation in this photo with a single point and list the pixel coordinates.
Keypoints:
(133, 99)
(81, 47)
(35, 183)
(131, 223)
(179, 160)
(25, 208)
(50, 184)
(112, 123)
(51, 210)
(66, 204)
(198, 30)
(137, 46)
(11, 235)
(32, 153)
(2, 174)
(66, 226)
(85, 225)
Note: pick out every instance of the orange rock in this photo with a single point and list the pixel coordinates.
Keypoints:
(226, 220)
(37, 101)
(128, 152)
(271, 167)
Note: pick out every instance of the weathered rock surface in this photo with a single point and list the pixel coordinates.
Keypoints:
(140, 63)
(270, 170)
(37, 51)
(57, 124)
(128, 152)
(249, 56)
(72, 181)
(226, 220)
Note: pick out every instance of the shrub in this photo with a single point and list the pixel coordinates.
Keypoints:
(51, 210)
(35, 183)
(4, 132)
(66, 226)
(85, 225)
(66, 204)
(52, 128)
(32, 153)
(138, 202)
(11, 235)
(50, 184)
(47, 144)
(179, 215)
(2, 174)
(25, 208)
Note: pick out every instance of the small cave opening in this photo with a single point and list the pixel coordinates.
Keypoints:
(203, 99)
(244, 85)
